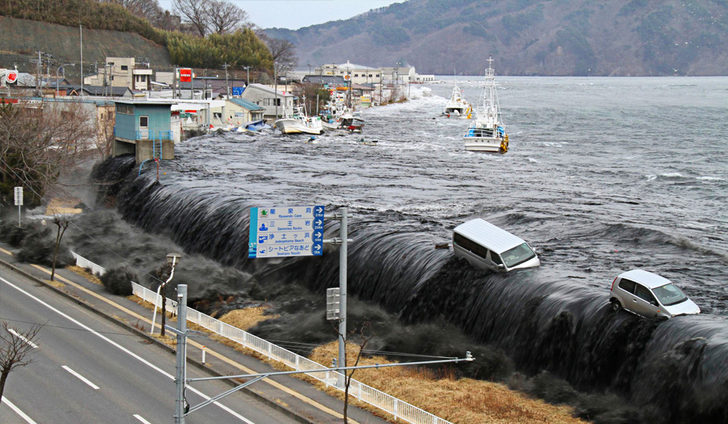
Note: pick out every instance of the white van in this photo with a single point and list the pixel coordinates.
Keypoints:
(486, 246)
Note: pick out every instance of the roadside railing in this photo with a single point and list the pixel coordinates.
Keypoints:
(399, 409)
(82, 262)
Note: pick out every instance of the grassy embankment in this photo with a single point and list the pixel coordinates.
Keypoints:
(461, 400)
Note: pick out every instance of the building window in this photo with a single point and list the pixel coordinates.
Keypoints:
(124, 68)
(143, 121)
(125, 109)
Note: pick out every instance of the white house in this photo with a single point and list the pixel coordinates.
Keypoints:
(274, 104)
(357, 74)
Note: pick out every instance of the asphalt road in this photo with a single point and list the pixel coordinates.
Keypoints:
(88, 370)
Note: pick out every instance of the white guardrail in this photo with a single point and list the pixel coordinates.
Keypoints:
(82, 262)
(401, 410)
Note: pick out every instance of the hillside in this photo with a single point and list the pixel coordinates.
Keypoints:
(21, 39)
(528, 37)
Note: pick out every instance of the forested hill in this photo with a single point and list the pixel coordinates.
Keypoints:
(52, 27)
(528, 37)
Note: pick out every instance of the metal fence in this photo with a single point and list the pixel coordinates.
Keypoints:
(399, 409)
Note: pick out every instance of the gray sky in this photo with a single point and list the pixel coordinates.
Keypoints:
(294, 14)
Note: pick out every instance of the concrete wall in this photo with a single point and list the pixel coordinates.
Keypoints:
(145, 150)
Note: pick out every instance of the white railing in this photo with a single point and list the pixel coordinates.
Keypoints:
(82, 262)
(398, 408)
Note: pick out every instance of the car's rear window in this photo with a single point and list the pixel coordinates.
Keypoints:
(669, 294)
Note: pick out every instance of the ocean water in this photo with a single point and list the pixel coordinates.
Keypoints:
(603, 175)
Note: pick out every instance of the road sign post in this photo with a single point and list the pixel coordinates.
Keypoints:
(343, 234)
(19, 202)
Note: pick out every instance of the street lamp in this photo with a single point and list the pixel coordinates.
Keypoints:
(64, 73)
(172, 260)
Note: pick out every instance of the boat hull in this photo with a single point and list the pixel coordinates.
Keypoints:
(483, 144)
(295, 126)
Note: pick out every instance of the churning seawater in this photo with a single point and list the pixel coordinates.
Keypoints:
(603, 175)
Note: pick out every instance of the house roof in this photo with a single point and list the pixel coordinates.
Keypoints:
(268, 90)
(246, 104)
(348, 65)
(97, 90)
(325, 79)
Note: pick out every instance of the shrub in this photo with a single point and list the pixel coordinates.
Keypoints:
(118, 281)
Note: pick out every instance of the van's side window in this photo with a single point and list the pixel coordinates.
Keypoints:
(627, 285)
(645, 294)
(470, 245)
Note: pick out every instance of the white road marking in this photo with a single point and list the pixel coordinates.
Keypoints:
(80, 377)
(21, 337)
(125, 350)
(18, 411)
(139, 417)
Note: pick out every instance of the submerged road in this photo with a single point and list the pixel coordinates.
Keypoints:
(88, 370)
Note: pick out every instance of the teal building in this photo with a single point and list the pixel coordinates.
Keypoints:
(146, 128)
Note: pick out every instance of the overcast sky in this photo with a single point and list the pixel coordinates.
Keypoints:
(294, 14)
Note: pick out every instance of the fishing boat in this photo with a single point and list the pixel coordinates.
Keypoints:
(487, 133)
(457, 105)
(300, 123)
(346, 121)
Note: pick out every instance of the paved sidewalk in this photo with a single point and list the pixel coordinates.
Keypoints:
(289, 394)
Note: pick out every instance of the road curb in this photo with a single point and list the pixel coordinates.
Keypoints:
(197, 364)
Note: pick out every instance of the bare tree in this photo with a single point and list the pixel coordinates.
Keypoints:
(62, 224)
(196, 12)
(282, 51)
(105, 121)
(226, 17)
(14, 349)
(364, 339)
(38, 142)
(148, 9)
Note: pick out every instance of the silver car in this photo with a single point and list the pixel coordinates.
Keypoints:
(649, 295)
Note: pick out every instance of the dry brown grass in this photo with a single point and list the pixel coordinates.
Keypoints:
(247, 318)
(85, 274)
(460, 401)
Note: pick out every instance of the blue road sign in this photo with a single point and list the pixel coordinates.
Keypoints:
(286, 231)
(238, 91)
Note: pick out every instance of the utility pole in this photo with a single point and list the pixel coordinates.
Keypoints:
(247, 75)
(37, 74)
(275, 86)
(227, 86)
(80, 29)
(179, 410)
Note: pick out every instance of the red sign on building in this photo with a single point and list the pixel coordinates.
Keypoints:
(12, 76)
(185, 75)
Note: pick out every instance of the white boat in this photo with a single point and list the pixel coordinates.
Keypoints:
(457, 105)
(487, 133)
(300, 123)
